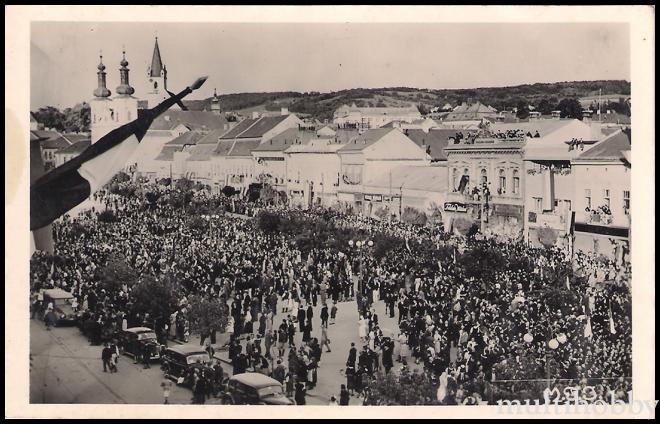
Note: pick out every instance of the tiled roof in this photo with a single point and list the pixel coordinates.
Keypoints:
(543, 126)
(167, 154)
(262, 126)
(46, 134)
(74, 138)
(205, 145)
(243, 147)
(612, 147)
(239, 128)
(437, 139)
(77, 147)
(615, 118)
(34, 136)
(387, 110)
(318, 145)
(55, 143)
(210, 137)
(285, 140)
(193, 119)
(223, 147)
(201, 152)
(187, 138)
(366, 139)
(343, 135)
(477, 107)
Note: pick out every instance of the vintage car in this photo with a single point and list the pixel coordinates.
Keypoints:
(180, 361)
(132, 341)
(253, 388)
(62, 309)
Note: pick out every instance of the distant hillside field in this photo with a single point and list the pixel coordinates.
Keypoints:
(322, 105)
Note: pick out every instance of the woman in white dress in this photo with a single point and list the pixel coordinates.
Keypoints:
(404, 350)
(436, 340)
(362, 329)
(442, 388)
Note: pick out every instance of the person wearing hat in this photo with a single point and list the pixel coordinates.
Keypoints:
(333, 401)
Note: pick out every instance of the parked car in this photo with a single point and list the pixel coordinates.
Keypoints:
(180, 361)
(62, 309)
(253, 388)
(133, 341)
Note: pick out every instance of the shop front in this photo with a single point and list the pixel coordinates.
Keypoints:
(505, 219)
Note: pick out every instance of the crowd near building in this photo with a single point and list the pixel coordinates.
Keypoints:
(547, 180)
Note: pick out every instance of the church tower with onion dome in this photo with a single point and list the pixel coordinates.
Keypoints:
(125, 104)
(102, 106)
(110, 113)
(157, 79)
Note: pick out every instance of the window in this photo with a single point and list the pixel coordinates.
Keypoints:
(454, 178)
(516, 182)
(538, 204)
(606, 197)
(502, 182)
(587, 198)
(626, 202)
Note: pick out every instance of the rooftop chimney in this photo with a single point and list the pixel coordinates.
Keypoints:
(285, 111)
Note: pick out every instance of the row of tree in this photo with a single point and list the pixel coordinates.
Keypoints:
(70, 120)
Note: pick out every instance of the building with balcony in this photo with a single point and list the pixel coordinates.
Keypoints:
(549, 179)
(602, 181)
(485, 185)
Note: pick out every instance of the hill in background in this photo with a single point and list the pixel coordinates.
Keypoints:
(323, 105)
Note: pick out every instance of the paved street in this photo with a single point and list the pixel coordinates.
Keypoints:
(66, 369)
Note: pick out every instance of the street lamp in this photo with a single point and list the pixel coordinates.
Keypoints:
(552, 344)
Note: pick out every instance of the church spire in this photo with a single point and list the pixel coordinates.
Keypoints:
(156, 62)
(124, 88)
(101, 91)
(215, 102)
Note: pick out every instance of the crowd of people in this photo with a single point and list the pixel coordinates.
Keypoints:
(465, 331)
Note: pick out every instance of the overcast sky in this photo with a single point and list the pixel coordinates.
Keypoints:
(322, 57)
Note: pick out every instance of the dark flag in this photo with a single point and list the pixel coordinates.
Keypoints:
(463, 183)
(70, 184)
